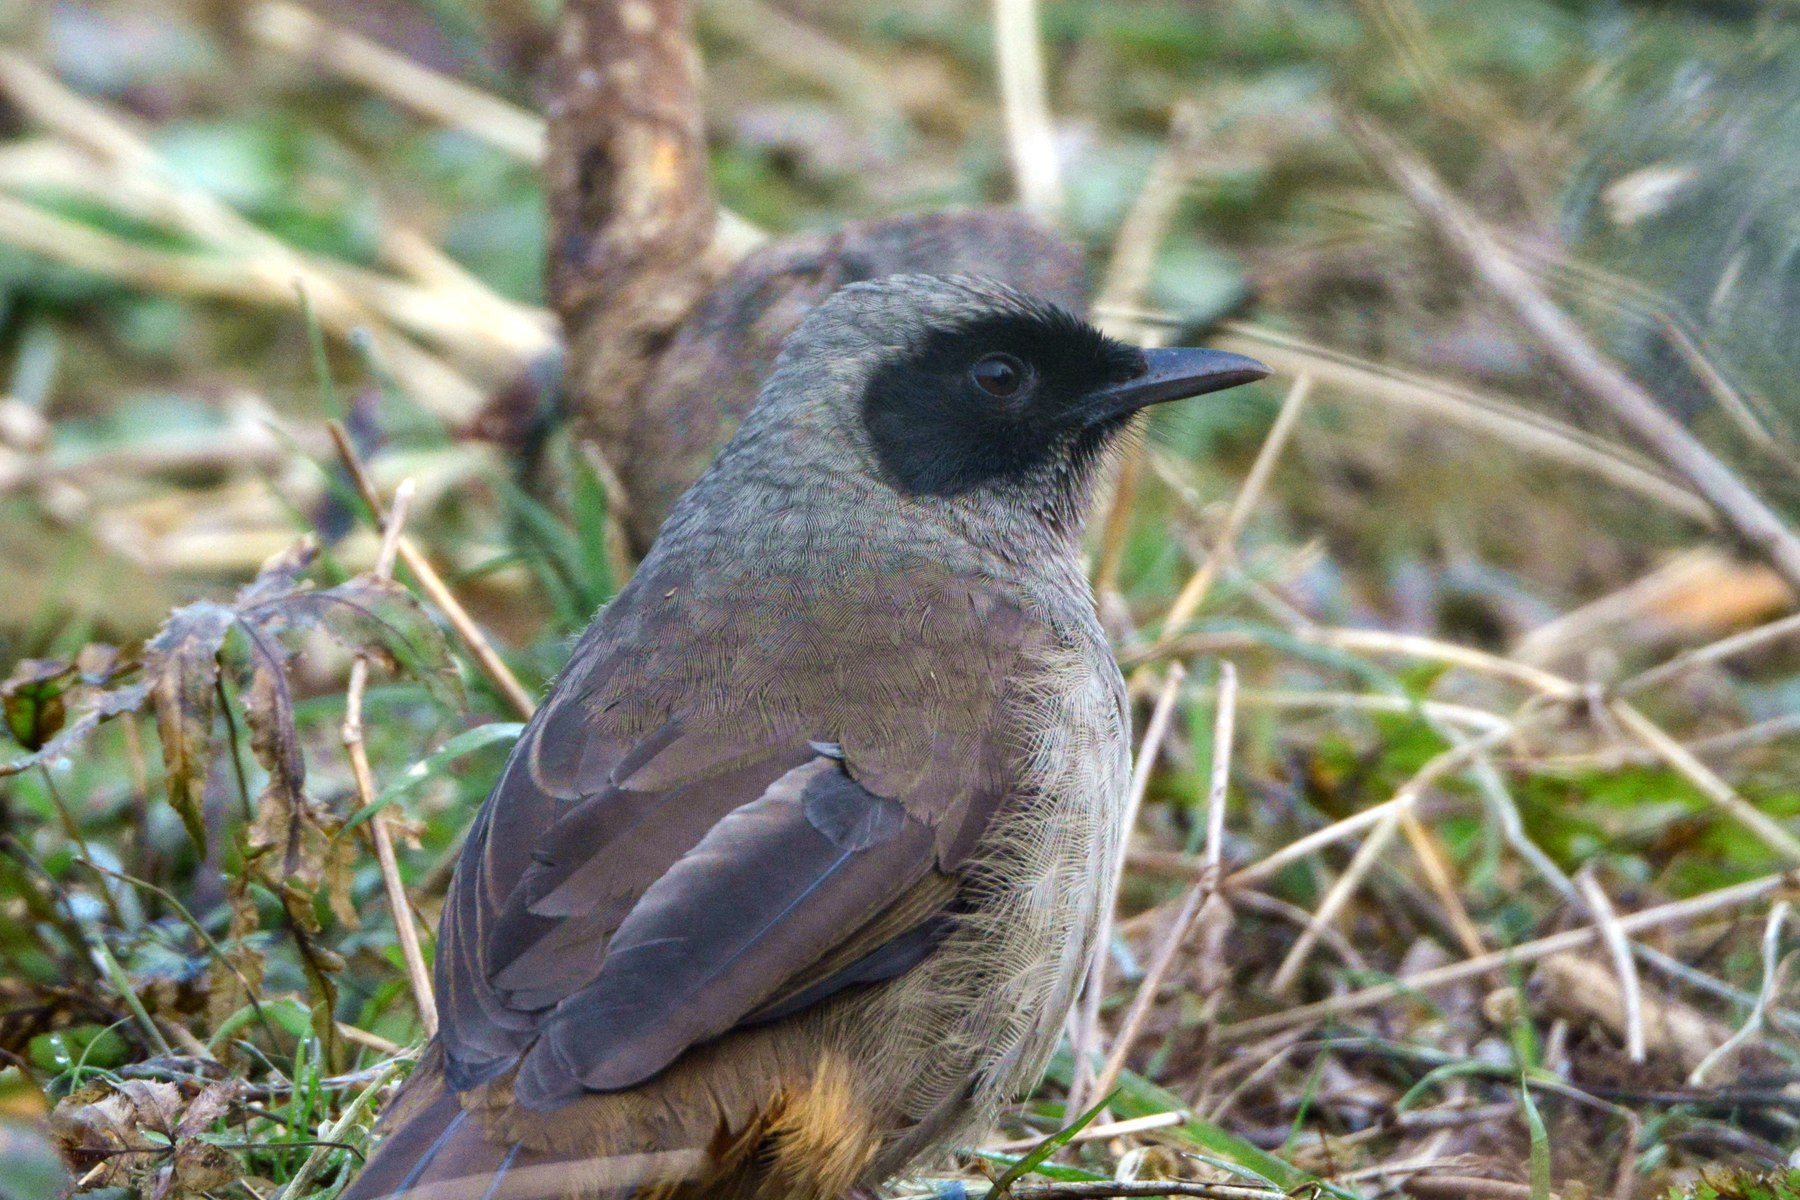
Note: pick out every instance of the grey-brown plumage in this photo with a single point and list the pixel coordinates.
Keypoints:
(792, 875)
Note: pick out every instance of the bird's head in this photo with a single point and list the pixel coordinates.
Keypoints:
(961, 393)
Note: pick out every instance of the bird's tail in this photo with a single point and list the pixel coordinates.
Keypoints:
(436, 1149)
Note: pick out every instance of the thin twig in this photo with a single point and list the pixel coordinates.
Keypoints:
(1193, 595)
(295, 30)
(1224, 730)
(333, 1134)
(1140, 238)
(1742, 509)
(381, 831)
(1573, 939)
(434, 587)
(1631, 996)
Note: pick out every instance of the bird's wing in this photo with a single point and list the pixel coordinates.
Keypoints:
(761, 845)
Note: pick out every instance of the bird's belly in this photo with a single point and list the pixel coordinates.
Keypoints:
(975, 1023)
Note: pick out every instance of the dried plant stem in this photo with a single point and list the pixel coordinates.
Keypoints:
(1224, 731)
(1573, 939)
(1098, 1133)
(1361, 863)
(435, 589)
(1030, 136)
(1631, 995)
(1438, 877)
(1386, 818)
(1144, 1188)
(1759, 1012)
(293, 29)
(1087, 1029)
(247, 258)
(1488, 415)
(380, 829)
(1121, 292)
(1715, 789)
(333, 1134)
(1202, 899)
(1742, 509)
(1193, 595)
(1724, 648)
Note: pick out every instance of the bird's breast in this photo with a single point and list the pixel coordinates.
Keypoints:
(975, 1024)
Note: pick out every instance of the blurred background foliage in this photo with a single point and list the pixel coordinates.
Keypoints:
(215, 234)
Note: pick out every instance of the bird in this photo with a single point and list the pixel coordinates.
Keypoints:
(792, 878)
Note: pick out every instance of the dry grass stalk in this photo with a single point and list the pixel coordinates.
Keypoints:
(1143, 1188)
(1573, 939)
(246, 264)
(1194, 593)
(1481, 413)
(1361, 863)
(1682, 664)
(1631, 998)
(290, 29)
(1715, 789)
(492, 665)
(1087, 1026)
(1742, 509)
(1025, 101)
(1758, 1018)
(380, 829)
(1442, 882)
(1120, 298)
(1098, 1133)
(294, 30)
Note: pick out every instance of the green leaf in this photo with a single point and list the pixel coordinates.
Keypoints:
(1540, 1145)
(1044, 1149)
(467, 742)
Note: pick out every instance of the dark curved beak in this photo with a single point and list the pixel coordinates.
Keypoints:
(1175, 374)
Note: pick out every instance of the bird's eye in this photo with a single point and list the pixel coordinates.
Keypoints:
(999, 375)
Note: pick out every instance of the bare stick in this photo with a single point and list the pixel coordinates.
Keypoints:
(1088, 1029)
(1630, 994)
(435, 589)
(380, 831)
(1030, 137)
(1580, 360)
(1573, 939)
(1194, 594)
